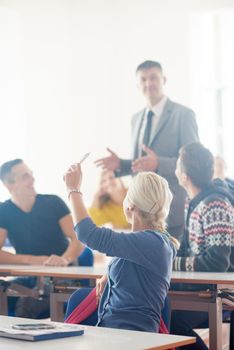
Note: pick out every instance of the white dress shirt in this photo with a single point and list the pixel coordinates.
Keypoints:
(157, 110)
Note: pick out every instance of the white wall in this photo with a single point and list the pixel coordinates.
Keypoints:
(68, 84)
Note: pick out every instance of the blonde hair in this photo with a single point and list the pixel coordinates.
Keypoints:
(150, 193)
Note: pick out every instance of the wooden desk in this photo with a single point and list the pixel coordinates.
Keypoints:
(56, 299)
(7, 269)
(209, 302)
(97, 338)
(179, 300)
(70, 272)
(215, 278)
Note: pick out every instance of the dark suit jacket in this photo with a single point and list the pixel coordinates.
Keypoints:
(176, 127)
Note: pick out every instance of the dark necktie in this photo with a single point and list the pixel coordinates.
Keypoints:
(147, 131)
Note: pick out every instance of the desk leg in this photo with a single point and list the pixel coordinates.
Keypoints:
(56, 307)
(215, 324)
(3, 303)
(57, 301)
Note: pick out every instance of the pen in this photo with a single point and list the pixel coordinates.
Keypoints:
(85, 156)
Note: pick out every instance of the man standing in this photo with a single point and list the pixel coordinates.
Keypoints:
(158, 132)
(39, 227)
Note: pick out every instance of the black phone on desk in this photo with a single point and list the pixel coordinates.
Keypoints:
(32, 326)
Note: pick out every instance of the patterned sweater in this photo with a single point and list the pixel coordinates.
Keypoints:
(208, 241)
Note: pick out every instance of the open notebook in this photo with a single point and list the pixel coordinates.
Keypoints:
(60, 330)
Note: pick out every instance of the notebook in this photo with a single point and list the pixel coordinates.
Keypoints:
(60, 330)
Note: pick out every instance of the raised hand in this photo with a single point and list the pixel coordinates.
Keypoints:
(73, 177)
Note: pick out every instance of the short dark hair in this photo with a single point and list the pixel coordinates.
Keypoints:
(149, 64)
(197, 162)
(6, 168)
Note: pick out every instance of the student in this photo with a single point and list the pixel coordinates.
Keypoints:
(220, 168)
(38, 226)
(207, 244)
(107, 205)
(139, 274)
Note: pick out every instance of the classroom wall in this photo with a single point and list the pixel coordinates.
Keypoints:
(68, 84)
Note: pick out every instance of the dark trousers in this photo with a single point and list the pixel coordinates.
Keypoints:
(27, 306)
(176, 231)
(183, 323)
(232, 331)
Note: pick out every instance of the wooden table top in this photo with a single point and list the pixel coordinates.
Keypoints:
(203, 277)
(81, 272)
(97, 338)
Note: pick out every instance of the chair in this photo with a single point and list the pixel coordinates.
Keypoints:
(86, 258)
(166, 313)
(82, 307)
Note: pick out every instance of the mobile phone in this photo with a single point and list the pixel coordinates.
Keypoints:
(33, 326)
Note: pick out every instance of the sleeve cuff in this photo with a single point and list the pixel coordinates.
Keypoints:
(179, 264)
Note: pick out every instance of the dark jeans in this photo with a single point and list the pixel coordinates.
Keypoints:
(183, 323)
(27, 306)
(176, 231)
(232, 331)
(36, 308)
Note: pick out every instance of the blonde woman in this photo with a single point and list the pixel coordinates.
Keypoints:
(107, 205)
(139, 274)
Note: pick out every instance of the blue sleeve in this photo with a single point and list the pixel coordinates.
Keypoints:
(148, 249)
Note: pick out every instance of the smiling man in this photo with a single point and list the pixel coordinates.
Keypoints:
(158, 132)
(39, 227)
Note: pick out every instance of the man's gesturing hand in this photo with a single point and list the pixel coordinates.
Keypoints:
(149, 162)
(112, 162)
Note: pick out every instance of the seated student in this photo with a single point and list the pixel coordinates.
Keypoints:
(139, 274)
(107, 205)
(207, 243)
(220, 168)
(38, 226)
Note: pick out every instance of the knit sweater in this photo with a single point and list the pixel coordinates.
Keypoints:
(208, 240)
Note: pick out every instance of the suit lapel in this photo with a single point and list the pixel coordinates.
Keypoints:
(136, 133)
(163, 119)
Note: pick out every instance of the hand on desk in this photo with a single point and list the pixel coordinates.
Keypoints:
(100, 287)
(56, 260)
(37, 260)
(149, 162)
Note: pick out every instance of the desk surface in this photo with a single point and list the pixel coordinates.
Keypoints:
(8, 268)
(97, 338)
(62, 272)
(203, 277)
(96, 272)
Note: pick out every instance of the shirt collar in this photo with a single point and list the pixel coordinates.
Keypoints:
(158, 108)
